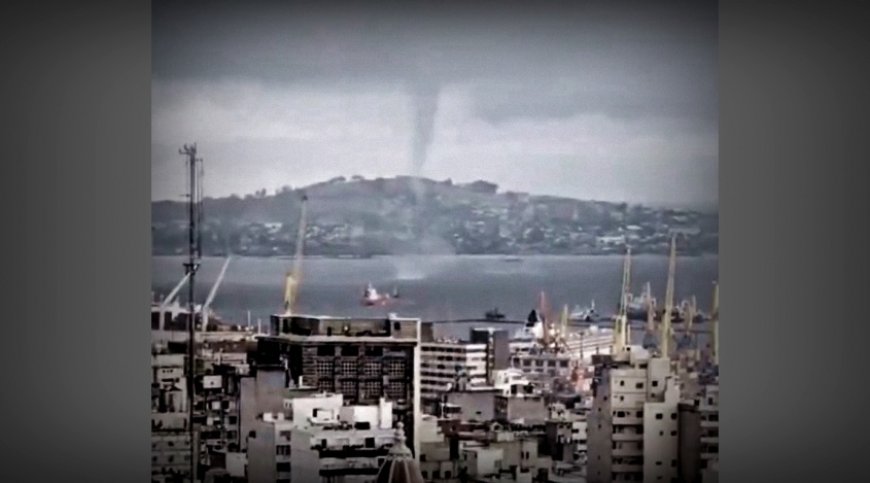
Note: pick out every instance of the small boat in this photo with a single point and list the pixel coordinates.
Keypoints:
(372, 298)
(494, 314)
(586, 314)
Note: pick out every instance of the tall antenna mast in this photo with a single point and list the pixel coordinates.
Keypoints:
(191, 266)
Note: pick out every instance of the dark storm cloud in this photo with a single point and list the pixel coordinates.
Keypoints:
(648, 65)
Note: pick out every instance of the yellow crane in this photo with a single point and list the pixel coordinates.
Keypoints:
(620, 328)
(665, 342)
(294, 276)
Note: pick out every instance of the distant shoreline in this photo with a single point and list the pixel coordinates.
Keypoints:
(508, 258)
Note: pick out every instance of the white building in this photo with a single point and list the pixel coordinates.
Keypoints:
(347, 445)
(269, 449)
(567, 435)
(633, 425)
(437, 465)
(445, 365)
(699, 436)
(480, 461)
(170, 437)
(318, 438)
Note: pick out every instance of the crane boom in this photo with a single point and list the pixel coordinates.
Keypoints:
(621, 322)
(169, 298)
(212, 293)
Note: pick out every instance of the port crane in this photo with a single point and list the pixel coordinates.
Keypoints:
(294, 276)
(206, 307)
(666, 329)
(621, 335)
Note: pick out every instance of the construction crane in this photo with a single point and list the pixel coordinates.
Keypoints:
(174, 293)
(294, 276)
(211, 295)
(620, 328)
(665, 338)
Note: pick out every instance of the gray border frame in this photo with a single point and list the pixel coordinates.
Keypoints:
(76, 276)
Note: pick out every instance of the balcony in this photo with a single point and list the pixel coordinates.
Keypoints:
(627, 468)
(627, 436)
(627, 420)
(620, 452)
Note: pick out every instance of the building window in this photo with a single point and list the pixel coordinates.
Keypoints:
(639, 385)
(674, 416)
(425, 475)
(325, 350)
(658, 415)
(655, 384)
(350, 350)
(658, 463)
(673, 433)
(640, 414)
(621, 383)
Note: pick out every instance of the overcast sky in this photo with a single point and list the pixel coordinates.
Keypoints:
(616, 103)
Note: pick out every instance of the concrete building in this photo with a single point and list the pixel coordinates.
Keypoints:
(345, 444)
(471, 404)
(521, 407)
(699, 437)
(498, 352)
(362, 359)
(480, 460)
(446, 365)
(170, 436)
(261, 393)
(633, 423)
(269, 450)
(218, 411)
(566, 436)
(540, 363)
(319, 438)
(439, 459)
